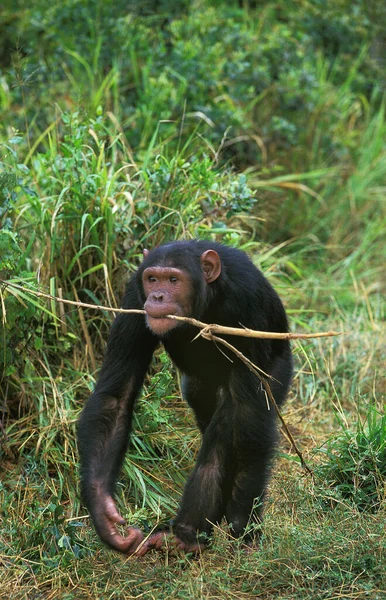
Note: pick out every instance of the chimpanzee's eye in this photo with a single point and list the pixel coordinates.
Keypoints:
(173, 279)
(151, 279)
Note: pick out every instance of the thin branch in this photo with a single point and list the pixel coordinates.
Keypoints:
(257, 371)
(285, 427)
(206, 327)
(72, 302)
(207, 333)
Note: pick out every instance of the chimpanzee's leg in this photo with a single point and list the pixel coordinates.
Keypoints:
(255, 434)
(207, 490)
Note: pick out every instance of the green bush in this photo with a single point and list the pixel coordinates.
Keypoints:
(354, 463)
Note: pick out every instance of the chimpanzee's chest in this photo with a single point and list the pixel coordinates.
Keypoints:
(198, 357)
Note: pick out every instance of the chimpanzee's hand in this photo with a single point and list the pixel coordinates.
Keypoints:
(163, 540)
(106, 518)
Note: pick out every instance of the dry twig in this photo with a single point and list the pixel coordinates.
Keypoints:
(207, 327)
(262, 376)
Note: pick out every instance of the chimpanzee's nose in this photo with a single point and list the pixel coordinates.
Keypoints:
(157, 296)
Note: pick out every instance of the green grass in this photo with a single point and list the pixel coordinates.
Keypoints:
(261, 128)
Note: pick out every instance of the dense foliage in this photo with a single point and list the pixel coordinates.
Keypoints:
(126, 124)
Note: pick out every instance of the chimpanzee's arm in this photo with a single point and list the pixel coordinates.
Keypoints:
(105, 422)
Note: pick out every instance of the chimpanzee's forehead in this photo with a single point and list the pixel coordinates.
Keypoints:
(178, 254)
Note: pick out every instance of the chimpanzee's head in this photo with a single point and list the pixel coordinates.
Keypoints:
(175, 283)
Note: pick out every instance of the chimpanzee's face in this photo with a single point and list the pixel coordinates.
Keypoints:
(168, 291)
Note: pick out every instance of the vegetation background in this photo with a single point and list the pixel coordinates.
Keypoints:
(126, 124)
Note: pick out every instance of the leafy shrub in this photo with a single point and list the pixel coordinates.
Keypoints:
(355, 465)
(17, 316)
(238, 75)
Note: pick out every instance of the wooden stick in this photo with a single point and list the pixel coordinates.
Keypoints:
(207, 332)
(208, 328)
(262, 376)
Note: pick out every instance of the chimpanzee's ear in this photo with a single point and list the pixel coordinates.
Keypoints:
(211, 265)
(145, 253)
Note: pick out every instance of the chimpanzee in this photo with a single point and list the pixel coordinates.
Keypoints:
(215, 284)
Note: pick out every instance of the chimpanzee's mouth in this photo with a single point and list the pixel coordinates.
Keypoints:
(160, 324)
(153, 314)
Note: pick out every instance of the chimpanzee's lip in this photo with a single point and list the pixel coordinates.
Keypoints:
(158, 316)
